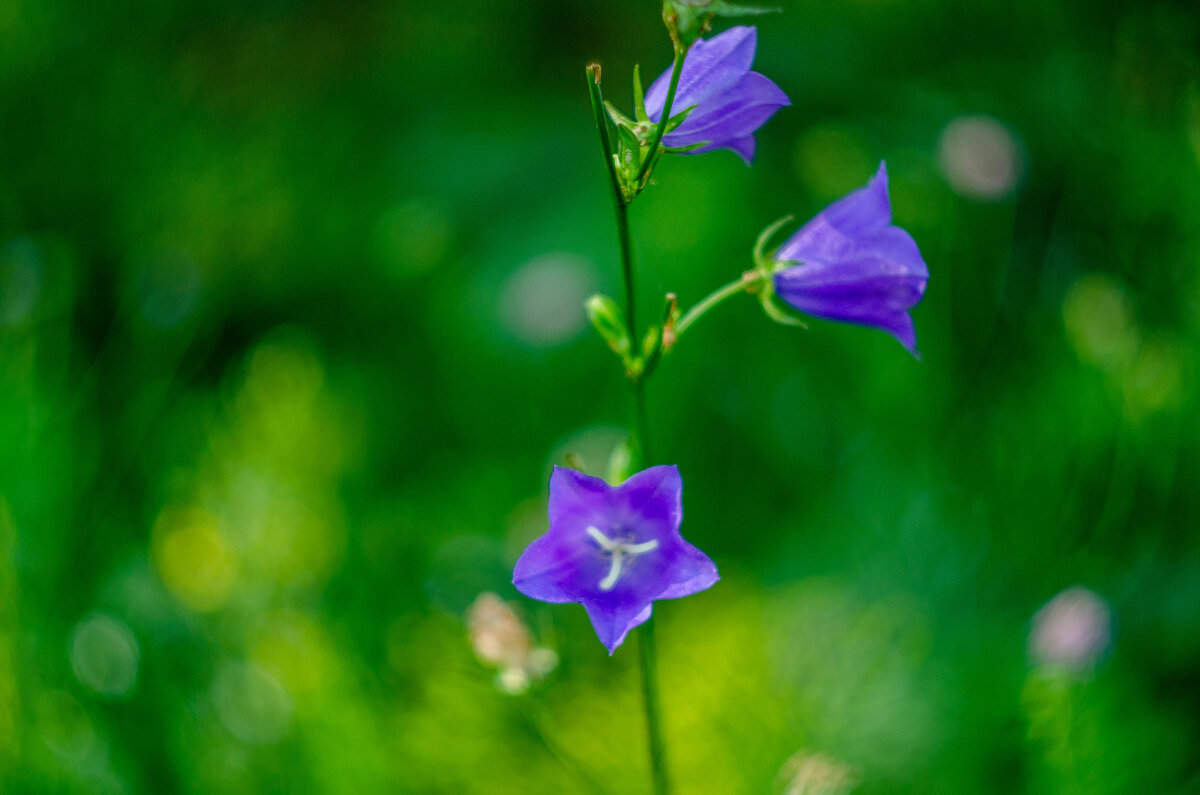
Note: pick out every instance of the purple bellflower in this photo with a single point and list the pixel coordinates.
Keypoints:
(731, 102)
(614, 549)
(854, 266)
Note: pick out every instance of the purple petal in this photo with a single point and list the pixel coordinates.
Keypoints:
(856, 267)
(822, 243)
(698, 573)
(735, 114)
(860, 212)
(551, 568)
(574, 494)
(652, 498)
(612, 626)
(710, 66)
(615, 549)
(744, 147)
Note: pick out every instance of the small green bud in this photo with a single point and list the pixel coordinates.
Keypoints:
(606, 317)
(650, 341)
(620, 463)
(688, 20)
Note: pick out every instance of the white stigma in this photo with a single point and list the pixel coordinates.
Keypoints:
(619, 550)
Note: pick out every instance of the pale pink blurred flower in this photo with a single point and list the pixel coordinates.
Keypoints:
(1071, 631)
(501, 640)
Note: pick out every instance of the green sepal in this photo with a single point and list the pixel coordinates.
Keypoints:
(688, 20)
(678, 119)
(777, 313)
(618, 118)
(639, 96)
(722, 9)
(762, 257)
(680, 150)
(605, 316)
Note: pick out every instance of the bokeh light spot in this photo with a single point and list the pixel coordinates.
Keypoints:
(979, 157)
(251, 703)
(1098, 321)
(542, 301)
(193, 558)
(104, 655)
(295, 650)
(64, 725)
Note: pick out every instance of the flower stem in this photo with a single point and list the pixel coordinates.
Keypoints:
(648, 656)
(627, 272)
(641, 425)
(717, 296)
(661, 128)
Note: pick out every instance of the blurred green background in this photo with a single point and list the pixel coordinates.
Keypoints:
(291, 334)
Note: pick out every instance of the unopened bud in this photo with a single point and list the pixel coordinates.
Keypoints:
(606, 317)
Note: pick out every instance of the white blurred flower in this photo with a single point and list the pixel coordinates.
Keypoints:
(979, 157)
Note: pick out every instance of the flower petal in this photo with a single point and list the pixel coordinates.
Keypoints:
(612, 625)
(860, 212)
(552, 568)
(710, 66)
(574, 494)
(652, 500)
(854, 266)
(615, 549)
(869, 291)
(732, 116)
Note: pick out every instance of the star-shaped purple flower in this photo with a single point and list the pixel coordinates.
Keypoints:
(614, 549)
(731, 102)
(855, 266)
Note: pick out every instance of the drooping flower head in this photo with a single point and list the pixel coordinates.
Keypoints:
(614, 549)
(731, 102)
(854, 266)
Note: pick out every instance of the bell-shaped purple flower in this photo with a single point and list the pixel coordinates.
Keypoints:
(614, 549)
(731, 102)
(855, 266)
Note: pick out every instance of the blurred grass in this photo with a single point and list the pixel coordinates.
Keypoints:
(290, 334)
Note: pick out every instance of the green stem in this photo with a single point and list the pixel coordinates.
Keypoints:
(641, 433)
(648, 654)
(593, 73)
(717, 296)
(661, 128)
(627, 270)
(641, 423)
